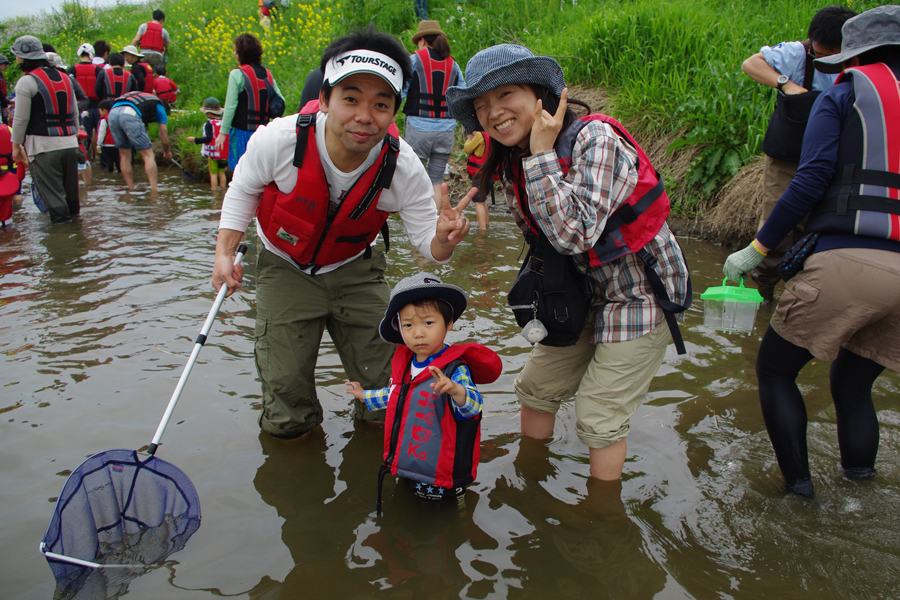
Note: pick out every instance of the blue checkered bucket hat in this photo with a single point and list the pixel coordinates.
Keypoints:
(499, 65)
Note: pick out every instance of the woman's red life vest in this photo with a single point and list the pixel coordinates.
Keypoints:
(153, 38)
(86, 75)
(864, 195)
(631, 227)
(427, 95)
(51, 108)
(425, 442)
(117, 82)
(145, 103)
(253, 101)
(209, 150)
(166, 89)
(298, 222)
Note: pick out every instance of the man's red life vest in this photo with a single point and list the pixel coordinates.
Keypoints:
(153, 38)
(145, 103)
(253, 101)
(117, 82)
(51, 108)
(427, 95)
(166, 89)
(209, 150)
(86, 75)
(425, 442)
(864, 195)
(298, 222)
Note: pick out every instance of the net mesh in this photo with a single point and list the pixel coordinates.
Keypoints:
(117, 509)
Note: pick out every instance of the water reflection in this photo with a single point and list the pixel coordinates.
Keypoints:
(97, 318)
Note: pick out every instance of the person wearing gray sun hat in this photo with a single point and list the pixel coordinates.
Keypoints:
(840, 303)
(497, 66)
(28, 47)
(45, 128)
(569, 183)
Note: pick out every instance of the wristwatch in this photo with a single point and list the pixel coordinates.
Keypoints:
(782, 79)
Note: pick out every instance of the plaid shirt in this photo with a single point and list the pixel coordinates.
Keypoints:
(572, 211)
(378, 399)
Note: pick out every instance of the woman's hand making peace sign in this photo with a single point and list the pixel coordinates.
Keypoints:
(546, 127)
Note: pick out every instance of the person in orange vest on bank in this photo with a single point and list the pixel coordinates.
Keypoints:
(166, 90)
(153, 39)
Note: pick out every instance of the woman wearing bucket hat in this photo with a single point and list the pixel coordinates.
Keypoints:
(567, 182)
(844, 303)
(45, 129)
(247, 100)
(429, 126)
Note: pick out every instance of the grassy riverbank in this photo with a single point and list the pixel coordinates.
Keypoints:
(671, 69)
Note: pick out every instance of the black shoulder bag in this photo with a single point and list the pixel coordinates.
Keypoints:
(552, 290)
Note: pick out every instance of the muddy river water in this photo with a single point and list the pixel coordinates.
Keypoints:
(97, 319)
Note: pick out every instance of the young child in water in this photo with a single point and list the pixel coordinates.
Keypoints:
(433, 422)
(218, 159)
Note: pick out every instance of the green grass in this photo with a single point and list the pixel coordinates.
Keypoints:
(670, 67)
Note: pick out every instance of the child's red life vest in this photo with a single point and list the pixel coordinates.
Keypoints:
(108, 139)
(423, 440)
(209, 150)
(166, 89)
(86, 75)
(298, 222)
(51, 108)
(6, 148)
(253, 101)
(153, 37)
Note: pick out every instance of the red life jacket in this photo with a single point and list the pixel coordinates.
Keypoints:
(631, 227)
(166, 89)
(108, 139)
(253, 101)
(6, 148)
(145, 103)
(474, 162)
(86, 75)
(864, 195)
(298, 222)
(153, 38)
(148, 76)
(117, 82)
(427, 95)
(209, 150)
(51, 108)
(425, 442)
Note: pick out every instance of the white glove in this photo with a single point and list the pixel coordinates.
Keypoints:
(742, 261)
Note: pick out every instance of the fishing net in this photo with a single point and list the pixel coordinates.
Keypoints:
(120, 512)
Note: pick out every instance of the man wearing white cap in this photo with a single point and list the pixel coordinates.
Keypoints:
(841, 302)
(320, 200)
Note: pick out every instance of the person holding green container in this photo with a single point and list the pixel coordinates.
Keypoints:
(843, 303)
